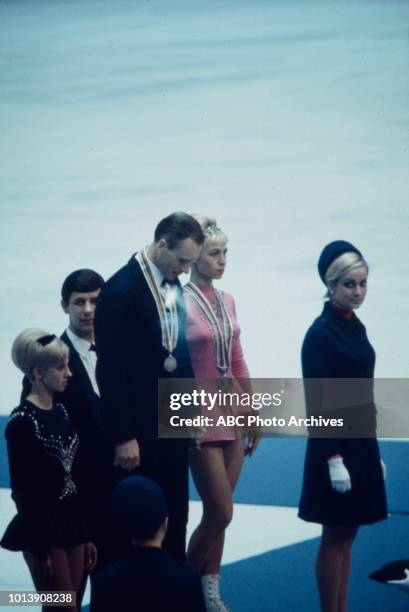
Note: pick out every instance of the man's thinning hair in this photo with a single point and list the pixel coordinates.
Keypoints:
(177, 227)
(81, 281)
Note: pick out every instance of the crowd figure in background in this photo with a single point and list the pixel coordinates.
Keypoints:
(344, 476)
(213, 337)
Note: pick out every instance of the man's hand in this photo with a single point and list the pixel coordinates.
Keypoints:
(127, 455)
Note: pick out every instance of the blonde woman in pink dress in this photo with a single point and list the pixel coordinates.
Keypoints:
(213, 337)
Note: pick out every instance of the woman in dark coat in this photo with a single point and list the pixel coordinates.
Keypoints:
(343, 476)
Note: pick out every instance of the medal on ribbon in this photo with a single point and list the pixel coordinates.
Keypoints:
(167, 311)
(223, 334)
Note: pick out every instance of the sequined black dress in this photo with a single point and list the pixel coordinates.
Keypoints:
(41, 448)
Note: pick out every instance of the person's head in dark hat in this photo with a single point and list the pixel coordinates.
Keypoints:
(140, 511)
(344, 271)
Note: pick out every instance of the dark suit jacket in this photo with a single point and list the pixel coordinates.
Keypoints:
(85, 410)
(148, 580)
(93, 470)
(130, 362)
(130, 353)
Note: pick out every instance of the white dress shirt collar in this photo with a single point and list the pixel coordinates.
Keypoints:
(81, 346)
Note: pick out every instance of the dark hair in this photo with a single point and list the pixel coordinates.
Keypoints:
(177, 227)
(83, 280)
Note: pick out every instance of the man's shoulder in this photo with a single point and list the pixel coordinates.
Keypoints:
(180, 572)
(108, 587)
(125, 280)
(74, 359)
(108, 579)
(65, 338)
(120, 277)
(182, 586)
(111, 571)
(156, 578)
(156, 560)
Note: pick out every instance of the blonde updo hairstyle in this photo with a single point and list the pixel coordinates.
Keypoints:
(209, 227)
(28, 353)
(341, 266)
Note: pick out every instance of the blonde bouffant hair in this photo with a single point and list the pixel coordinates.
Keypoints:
(28, 353)
(209, 226)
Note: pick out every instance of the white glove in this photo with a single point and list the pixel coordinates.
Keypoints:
(339, 475)
(384, 470)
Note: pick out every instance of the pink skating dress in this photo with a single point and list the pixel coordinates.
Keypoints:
(201, 341)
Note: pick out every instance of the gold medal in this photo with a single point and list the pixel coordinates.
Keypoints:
(170, 364)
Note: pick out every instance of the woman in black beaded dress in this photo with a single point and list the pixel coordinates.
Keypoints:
(49, 527)
(343, 476)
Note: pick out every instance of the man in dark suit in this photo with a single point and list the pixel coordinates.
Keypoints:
(93, 470)
(140, 338)
(147, 579)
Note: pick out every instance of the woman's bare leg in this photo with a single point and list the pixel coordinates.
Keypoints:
(215, 469)
(58, 578)
(233, 461)
(77, 561)
(333, 566)
(345, 572)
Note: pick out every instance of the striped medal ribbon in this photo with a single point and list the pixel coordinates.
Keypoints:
(224, 337)
(168, 319)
